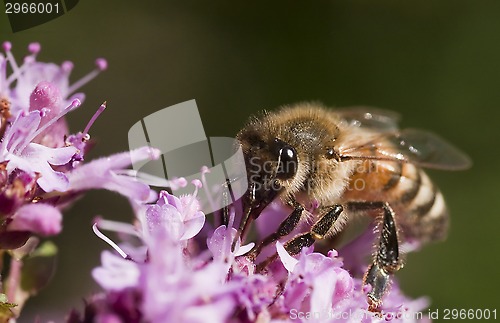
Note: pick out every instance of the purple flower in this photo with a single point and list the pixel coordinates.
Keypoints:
(184, 279)
(220, 244)
(116, 273)
(21, 153)
(108, 173)
(175, 291)
(28, 75)
(42, 171)
(182, 216)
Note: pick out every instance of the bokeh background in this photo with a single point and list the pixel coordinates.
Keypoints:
(435, 62)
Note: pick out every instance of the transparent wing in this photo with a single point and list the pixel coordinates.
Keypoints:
(369, 117)
(410, 145)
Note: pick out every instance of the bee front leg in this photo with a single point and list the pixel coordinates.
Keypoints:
(224, 215)
(318, 231)
(387, 259)
(285, 228)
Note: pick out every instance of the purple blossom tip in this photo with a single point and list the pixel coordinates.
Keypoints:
(34, 48)
(197, 183)
(102, 64)
(75, 104)
(67, 66)
(46, 96)
(7, 46)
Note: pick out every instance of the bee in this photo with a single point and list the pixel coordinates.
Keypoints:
(345, 162)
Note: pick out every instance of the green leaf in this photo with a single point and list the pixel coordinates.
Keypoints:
(46, 249)
(5, 306)
(39, 267)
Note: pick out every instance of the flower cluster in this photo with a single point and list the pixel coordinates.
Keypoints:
(185, 270)
(42, 165)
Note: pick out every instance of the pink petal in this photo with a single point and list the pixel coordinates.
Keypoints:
(54, 156)
(39, 218)
(288, 261)
(244, 249)
(220, 242)
(115, 272)
(322, 294)
(193, 226)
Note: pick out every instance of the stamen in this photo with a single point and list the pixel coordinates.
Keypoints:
(8, 133)
(153, 180)
(109, 241)
(197, 184)
(3, 74)
(7, 46)
(101, 66)
(206, 188)
(94, 118)
(19, 140)
(16, 73)
(115, 226)
(34, 48)
(67, 66)
(74, 104)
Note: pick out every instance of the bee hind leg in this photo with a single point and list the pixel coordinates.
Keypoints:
(386, 260)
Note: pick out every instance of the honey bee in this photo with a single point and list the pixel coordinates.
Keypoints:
(345, 162)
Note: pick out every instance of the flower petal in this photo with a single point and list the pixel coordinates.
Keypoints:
(40, 218)
(100, 173)
(54, 156)
(115, 272)
(288, 261)
(244, 249)
(193, 226)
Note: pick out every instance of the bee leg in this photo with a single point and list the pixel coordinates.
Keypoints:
(318, 231)
(387, 259)
(285, 228)
(224, 215)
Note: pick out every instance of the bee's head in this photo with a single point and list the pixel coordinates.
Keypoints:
(271, 166)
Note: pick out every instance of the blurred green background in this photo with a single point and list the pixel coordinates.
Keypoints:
(435, 62)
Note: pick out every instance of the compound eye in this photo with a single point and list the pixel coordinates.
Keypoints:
(331, 153)
(287, 158)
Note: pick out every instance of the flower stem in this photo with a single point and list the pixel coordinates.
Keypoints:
(1, 267)
(14, 279)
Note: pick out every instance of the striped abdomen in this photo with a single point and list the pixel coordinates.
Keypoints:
(419, 206)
